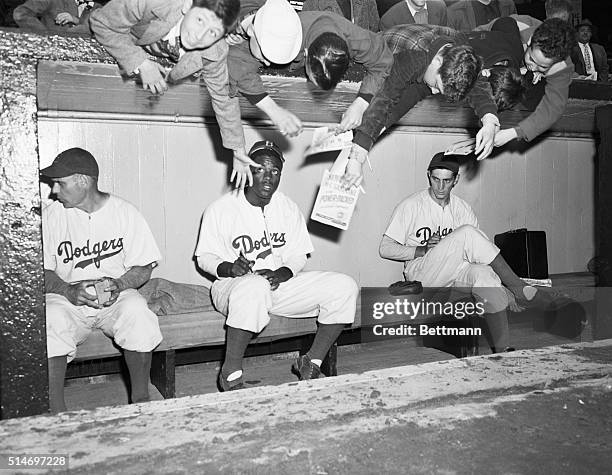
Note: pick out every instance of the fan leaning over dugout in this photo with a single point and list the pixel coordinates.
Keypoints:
(445, 68)
(545, 59)
(188, 34)
(257, 244)
(321, 42)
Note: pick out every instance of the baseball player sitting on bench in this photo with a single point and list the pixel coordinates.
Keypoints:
(436, 235)
(256, 243)
(98, 250)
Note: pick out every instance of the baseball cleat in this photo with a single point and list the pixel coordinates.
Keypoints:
(306, 369)
(224, 385)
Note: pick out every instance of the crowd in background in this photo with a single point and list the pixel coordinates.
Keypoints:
(367, 16)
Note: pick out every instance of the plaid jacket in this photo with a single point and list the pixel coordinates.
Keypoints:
(417, 37)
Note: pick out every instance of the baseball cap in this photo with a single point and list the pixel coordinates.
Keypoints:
(448, 162)
(266, 147)
(71, 161)
(278, 31)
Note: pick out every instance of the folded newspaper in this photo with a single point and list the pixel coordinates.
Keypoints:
(324, 139)
(335, 203)
(537, 282)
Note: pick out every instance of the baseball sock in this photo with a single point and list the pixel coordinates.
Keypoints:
(57, 375)
(325, 337)
(513, 281)
(237, 341)
(139, 367)
(498, 333)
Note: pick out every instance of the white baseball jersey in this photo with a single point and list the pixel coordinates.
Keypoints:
(271, 236)
(418, 217)
(106, 243)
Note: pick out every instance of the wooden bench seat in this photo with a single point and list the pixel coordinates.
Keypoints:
(197, 329)
(207, 328)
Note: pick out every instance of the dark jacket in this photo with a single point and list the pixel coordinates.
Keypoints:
(365, 47)
(600, 61)
(39, 16)
(399, 14)
(403, 88)
(461, 14)
(363, 12)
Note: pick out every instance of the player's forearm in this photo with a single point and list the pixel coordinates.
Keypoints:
(54, 284)
(210, 263)
(393, 250)
(135, 278)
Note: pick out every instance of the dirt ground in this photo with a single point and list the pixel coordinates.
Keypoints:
(552, 430)
(535, 411)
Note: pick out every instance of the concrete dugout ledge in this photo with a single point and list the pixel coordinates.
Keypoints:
(213, 426)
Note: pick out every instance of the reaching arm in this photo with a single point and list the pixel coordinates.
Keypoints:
(227, 109)
(112, 24)
(409, 66)
(550, 108)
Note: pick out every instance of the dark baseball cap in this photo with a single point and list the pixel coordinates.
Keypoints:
(266, 148)
(448, 162)
(71, 161)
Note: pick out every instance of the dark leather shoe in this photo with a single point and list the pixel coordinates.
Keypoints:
(405, 287)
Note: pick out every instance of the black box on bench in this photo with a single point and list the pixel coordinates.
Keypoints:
(525, 252)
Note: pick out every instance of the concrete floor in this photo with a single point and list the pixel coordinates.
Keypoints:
(531, 411)
(194, 379)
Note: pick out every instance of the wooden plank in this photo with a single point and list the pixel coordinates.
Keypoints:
(93, 87)
(557, 237)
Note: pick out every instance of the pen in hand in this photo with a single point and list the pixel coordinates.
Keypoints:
(249, 263)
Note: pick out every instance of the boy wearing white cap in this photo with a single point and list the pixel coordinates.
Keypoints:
(324, 43)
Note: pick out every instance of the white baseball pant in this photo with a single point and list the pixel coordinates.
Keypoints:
(461, 259)
(128, 321)
(247, 300)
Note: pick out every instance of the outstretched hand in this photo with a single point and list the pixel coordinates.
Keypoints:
(353, 174)
(241, 171)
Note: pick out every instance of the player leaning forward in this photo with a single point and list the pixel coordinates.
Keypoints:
(256, 243)
(90, 236)
(436, 235)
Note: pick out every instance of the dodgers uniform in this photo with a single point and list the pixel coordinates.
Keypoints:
(87, 246)
(462, 256)
(273, 237)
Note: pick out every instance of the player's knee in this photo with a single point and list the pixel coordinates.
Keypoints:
(131, 303)
(347, 285)
(250, 287)
(57, 318)
(464, 230)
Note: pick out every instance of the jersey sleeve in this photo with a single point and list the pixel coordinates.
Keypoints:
(211, 238)
(396, 229)
(139, 247)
